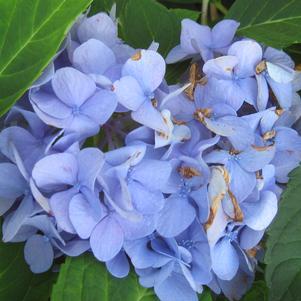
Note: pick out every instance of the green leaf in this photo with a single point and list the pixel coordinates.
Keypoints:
(106, 5)
(184, 1)
(283, 255)
(86, 279)
(205, 296)
(30, 34)
(275, 23)
(144, 21)
(295, 52)
(175, 71)
(17, 282)
(259, 291)
(182, 13)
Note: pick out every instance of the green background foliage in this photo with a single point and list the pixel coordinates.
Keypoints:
(84, 279)
(17, 282)
(283, 256)
(31, 32)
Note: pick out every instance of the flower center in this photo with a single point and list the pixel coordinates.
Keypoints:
(187, 244)
(75, 110)
(188, 172)
(184, 189)
(233, 235)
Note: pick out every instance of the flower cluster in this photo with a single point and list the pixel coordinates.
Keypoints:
(182, 181)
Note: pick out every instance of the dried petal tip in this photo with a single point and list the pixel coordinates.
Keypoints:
(194, 79)
(298, 67)
(189, 172)
(279, 112)
(238, 214)
(252, 252)
(262, 148)
(262, 66)
(137, 56)
(178, 122)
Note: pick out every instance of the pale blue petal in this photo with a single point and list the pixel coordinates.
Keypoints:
(100, 106)
(129, 93)
(10, 190)
(249, 238)
(149, 116)
(242, 182)
(100, 27)
(59, 204)
(93, 56)
(38, 253)
(259, 214)
(249, 54)
(153, 174)
(146, 201)
(194, 36)
(119, 266)
(238, 286)
(72, 86)
(176, 216)
(263, 92)
(280, 73)
(139, 252)
(55, 170)
(148, 69)
(137, 229)
(283, 93)
(176, 54)
(106, 239)
(175, 288)
(12, 225)
(82, 216)
(74, 247)
(255, 158)
(221, 67)
(223, 33)
(225, 261)
(90, 161)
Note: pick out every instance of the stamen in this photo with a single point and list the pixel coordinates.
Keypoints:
(279, 112)
(155, 103)
(163, 135)
(269, 135)
(259, 175)
(200, 114)
(233, 152)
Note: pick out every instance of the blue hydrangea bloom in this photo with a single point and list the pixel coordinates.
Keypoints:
(74, 104)
(182, 180)
(201, 40)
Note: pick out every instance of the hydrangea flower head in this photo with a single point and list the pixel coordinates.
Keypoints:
(179, 181)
